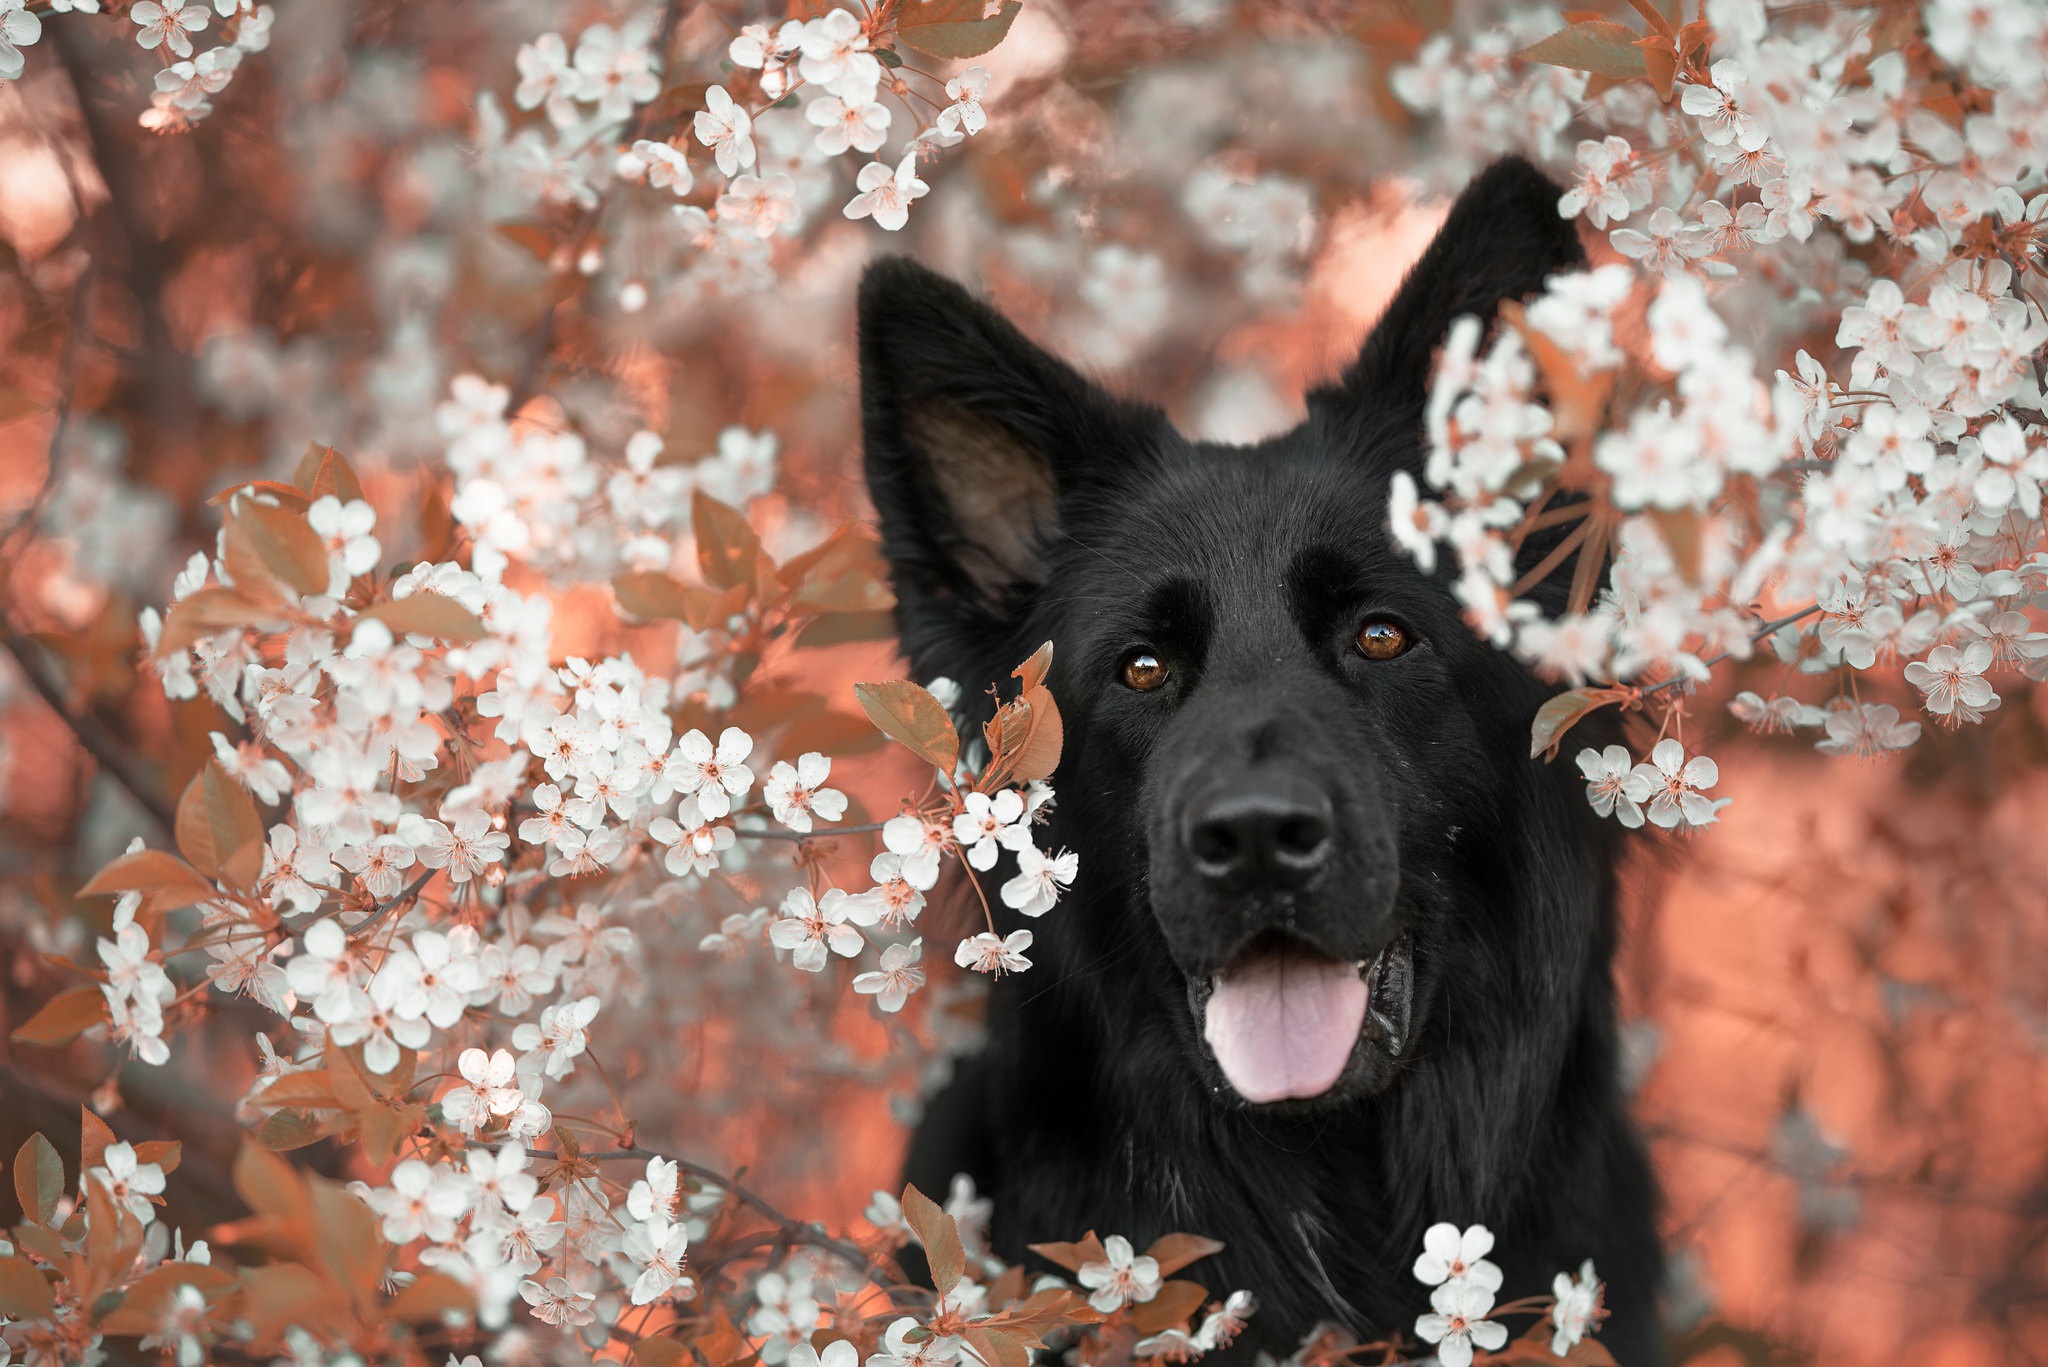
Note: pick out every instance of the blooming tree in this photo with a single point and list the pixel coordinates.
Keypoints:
(513, 721)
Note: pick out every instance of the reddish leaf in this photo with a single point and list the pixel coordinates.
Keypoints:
(274, 1188)
(141, 1310)
(832, 733)
(38, 1179)
(169, 880)
(428, 614)
(659, 1352)
(301, 1089)
(208, 612)
(1595, 45)
(1170, 1307)
(94, 1136)
(24, 1294)
(63, 1019)
(997, 1348)
(728, 552)
(324, 470)
(940, 1236)
(1565, 711)
(165, 1153)
(643, 593)
(1073, 1256)
(288, 547)
(1034, 670)
(219, 828)
(1175, 1251)
(347, 1239)
(294, 1129)
(954, 29)
(911, 715)
(288, 495)
(431, 1295)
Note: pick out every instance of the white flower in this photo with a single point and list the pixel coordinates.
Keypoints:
(464, 848)
(130, 1183)
(1124, 1278)
(345, 528)
(422, 1201)
(934, 1350)
(487, 1089)
(767, 53)
(796, 793)
(898, 977)
(813, 929)
(727, 130)
(886, 193)
(667, 167)
(1457, 1324)
(859, 122)
(556, 1302)
(920, 844)
(965, 114)
(165, 23)
(653, 1197)
(990, 824)
(549, 1048)
(713, 776)
(1866, 730)
(835, 54)
(657, 1248)
(1453, 1258)
(1953, 681)
(989, 953)
(1612, 785)
(1040, 879)
(759, 205)
(265, 778)
(892, 901)
(18, 29)
(1578, 1302)
(1675, 783)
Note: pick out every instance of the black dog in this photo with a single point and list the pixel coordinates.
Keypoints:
(1338, 962)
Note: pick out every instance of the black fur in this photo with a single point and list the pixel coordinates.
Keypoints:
(1249, 571)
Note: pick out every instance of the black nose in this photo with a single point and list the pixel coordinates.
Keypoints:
(1269, 832)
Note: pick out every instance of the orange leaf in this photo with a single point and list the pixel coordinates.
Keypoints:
(1565, 711)
(1169, 1307)
(428, 614)
(208, 612)
(431, 1295)
(1175, 1251)
(728, 552)
(219, 828)
(997, 1348)
(294, 1129)
(169, 880)
(953, 29)
(643, 593)
(659, 1352)
(165, 1153)
(912, 716)
(38, 1179)
(289, 548)
(142, 1307)
(300, 1089)
(63, 1019)
(1607, 49)
(940, 1236)
(93, 1138)
(1072, 1256)
(324, 470)
(288, 495)
(1034, 670)
(24, 1293)
(274, 1188)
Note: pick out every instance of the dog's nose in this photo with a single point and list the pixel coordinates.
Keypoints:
(1273, 832)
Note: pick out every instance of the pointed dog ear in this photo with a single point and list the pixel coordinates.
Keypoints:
(973, 433)
(1502, 239)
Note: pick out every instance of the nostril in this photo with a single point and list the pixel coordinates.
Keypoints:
(1301, 838)
(1215, 845)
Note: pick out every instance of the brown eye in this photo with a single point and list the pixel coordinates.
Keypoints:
(1380, 639)
(1143, 671)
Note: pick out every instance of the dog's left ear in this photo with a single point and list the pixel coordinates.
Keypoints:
(973, 435)
(1502, 239)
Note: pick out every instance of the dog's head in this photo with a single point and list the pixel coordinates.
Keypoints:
(1298, 783)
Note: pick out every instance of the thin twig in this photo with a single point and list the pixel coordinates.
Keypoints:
(1758, 635)
(112, 754)
(410, 893)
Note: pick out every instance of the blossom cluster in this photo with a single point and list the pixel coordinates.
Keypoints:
(189, 78)
(1869, 503)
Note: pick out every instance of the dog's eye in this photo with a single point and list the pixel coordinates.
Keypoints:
(1143, 671)
(1380, 639)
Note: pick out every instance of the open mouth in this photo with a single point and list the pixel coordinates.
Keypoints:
(1287, 1022)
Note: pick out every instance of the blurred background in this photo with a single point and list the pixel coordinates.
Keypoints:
(1838, 997)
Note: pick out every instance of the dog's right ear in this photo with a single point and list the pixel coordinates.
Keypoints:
(973, 434)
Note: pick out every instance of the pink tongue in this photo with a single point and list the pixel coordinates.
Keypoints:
(1283, 1025)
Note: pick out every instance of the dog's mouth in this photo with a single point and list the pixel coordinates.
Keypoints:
(1287, 1022)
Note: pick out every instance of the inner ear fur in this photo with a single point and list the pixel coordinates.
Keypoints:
(999, 494)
